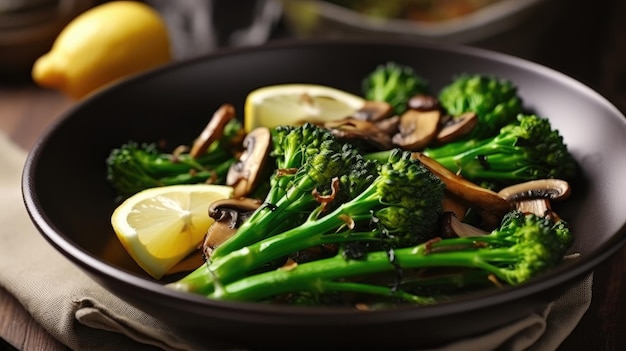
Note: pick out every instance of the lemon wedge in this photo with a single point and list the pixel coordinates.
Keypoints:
(294, 104)
(161, 226)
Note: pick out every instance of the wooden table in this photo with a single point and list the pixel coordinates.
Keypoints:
(25, 111)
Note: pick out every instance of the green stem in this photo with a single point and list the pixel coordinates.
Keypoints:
(239, 262)
(454, 148)
(200, 281)
(307, 275)
(370, 289)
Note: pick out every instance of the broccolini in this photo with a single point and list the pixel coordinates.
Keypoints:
(397, 208)
(524, 246)
(525, 150)
(494, 100)
(135, 166)
(395, 84)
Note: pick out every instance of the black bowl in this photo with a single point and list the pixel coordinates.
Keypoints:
(69, 200)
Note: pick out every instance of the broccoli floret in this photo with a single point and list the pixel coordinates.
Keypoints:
(522, 151)
(291, 148)
(395, 84)
(494, 100)
(524, 246)
(398, 207)
(134, 166)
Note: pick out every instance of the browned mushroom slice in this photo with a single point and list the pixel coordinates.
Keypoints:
(389, 125)
(352, 128)
(455, 205)
(489, 204)
(465, 189)
(552, 189)
(218, 233)
(424, 102)
(228, 215)
(454, 227)
(213, 130)
(417, 129)
(535, 196)
(242, 205)
(456, 127)
(374, 111)
(245, 173)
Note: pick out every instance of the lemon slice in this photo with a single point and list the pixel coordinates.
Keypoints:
(161, 226)
(294, 104)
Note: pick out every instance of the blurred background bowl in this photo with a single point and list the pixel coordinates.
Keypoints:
(511, 26)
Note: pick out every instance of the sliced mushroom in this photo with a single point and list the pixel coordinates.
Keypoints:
(465, 189)
(213, 130)
(353, 128)
(245, 173)
(456, 127)
(454, 227)
(455, 205)
(228, 215)
(552, 189)
(417, 129)
(535, 196)
(424, 102)
(389, 125)
(218, 233)
(374, 111)
(490, 205)
(241, 205)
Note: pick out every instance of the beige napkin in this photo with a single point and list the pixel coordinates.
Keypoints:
(84, 316)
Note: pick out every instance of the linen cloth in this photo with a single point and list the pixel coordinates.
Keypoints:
(84, 316)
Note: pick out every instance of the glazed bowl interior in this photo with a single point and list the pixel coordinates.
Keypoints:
(70, 201)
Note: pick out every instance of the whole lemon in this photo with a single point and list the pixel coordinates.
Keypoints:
(107, 42)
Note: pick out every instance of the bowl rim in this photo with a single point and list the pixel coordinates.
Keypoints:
(97, 267)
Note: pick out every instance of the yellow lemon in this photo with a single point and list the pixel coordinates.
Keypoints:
(293, 104)
(161, 226)
(101, 45)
